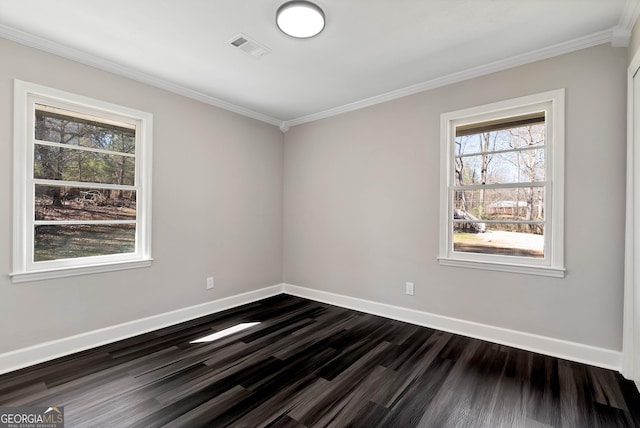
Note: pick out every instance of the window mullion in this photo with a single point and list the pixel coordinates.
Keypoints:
(501, 186)
(70, 237)
(503, 226)
(497, 152)
(482, 220)
(83, 184)
(83, 148)
(80, 222)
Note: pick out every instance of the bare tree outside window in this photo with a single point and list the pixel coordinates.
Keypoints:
(82, 185)
(499, 189)
(502, 186)
(74, 220)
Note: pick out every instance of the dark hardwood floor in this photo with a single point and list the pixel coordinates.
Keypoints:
(313, 364)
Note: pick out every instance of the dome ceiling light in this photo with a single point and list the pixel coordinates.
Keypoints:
(300, 19)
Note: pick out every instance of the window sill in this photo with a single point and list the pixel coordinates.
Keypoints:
(19, 277)
(553, 272)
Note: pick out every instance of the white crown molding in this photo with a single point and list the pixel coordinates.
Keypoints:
(596, 39)
(629, 15)
(618, 36)
(621, 34)
(130, 73)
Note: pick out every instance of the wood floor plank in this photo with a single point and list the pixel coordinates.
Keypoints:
(310, 364)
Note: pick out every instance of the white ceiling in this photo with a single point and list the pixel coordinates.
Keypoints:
(369, 51)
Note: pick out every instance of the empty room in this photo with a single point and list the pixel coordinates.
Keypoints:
(273, 213)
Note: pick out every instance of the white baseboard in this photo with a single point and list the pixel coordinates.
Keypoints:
(47, 351)
(572, 351)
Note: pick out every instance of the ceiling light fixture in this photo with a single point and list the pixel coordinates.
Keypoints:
(300, 19)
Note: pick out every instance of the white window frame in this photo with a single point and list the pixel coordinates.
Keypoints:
(24, 268)
(552, 103)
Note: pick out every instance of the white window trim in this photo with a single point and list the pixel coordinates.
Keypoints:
(24, 269)
(553, 263)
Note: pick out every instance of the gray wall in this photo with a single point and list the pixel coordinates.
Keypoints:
(362, 204)
(217, 209)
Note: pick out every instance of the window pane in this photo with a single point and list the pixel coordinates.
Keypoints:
(506, 139)
(58, 203)
(520, 121)
(59, 163)
(510, 239)
(72, 241)
(65, 127)
(519, 203)
(524, 166)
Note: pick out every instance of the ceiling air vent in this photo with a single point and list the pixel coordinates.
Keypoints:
(248, 46)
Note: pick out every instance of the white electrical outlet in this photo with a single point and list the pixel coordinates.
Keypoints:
(210, 283)
(409, 288)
